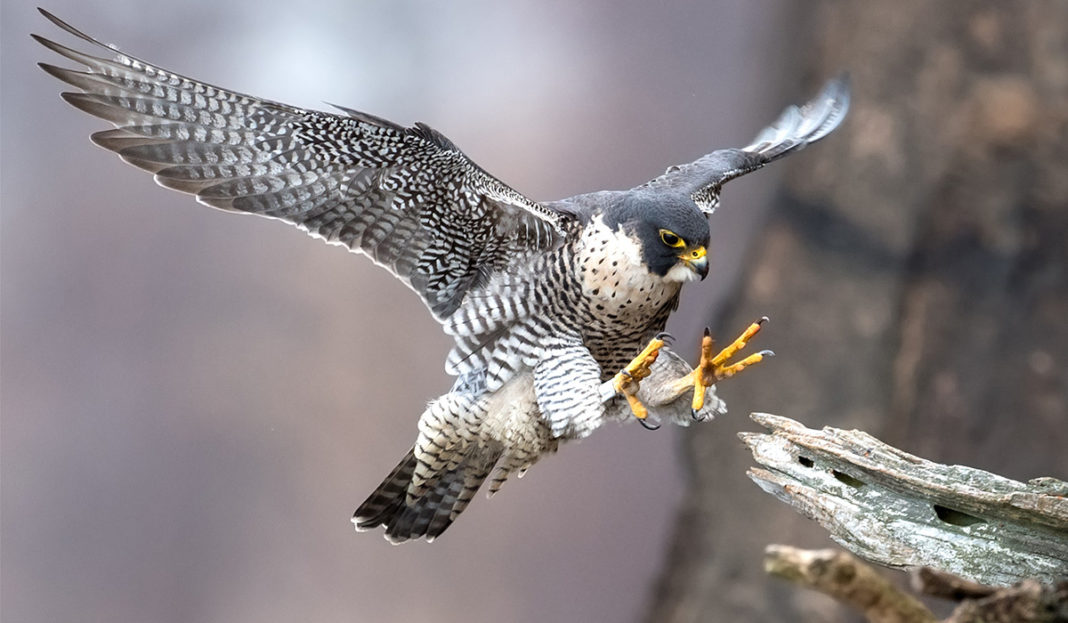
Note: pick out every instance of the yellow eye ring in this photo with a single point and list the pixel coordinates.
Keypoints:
(671, 239)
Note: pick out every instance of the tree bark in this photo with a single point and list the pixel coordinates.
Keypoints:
(915, 270)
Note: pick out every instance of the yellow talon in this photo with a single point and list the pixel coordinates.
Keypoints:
(712, 369)
(636, 406)
(626, 382)
(729, 371)
(739, 343)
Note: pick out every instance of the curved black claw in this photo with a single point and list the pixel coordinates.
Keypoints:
(767, 353)
(693, 414)
(648, 425)
(666, 337)
(763, 319)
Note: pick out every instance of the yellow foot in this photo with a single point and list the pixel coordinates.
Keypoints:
(626, 382)
(712, 369)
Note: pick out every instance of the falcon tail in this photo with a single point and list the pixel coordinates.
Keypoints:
(430, 514)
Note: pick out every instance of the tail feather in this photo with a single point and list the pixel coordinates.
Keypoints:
(388, 498)
(434, 511)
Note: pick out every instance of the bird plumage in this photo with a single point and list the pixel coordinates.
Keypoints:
(545, 301)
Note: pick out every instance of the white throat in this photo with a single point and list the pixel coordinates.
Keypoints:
(615, 279)
(681, 273)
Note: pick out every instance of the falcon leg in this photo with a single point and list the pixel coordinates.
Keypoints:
(716, 368)
(626, 382)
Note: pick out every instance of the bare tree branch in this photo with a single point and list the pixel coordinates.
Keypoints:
(1027, 602)
(854, 583)
(848, 580)
(898, 510)
(944, 585)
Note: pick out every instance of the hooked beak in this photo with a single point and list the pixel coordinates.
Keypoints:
(696, 259)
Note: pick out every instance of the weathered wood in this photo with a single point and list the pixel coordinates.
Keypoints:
(898, 510)
(1026, 602)
(852, 582)
(848, 580)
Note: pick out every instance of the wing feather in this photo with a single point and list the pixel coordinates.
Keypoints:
(795, 129)
(406, 197)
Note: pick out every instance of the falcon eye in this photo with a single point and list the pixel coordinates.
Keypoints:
(670, 239)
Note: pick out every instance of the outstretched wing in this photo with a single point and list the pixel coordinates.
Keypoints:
(406, 197)
(795, 129)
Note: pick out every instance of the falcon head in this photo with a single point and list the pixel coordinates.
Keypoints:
(672, 233)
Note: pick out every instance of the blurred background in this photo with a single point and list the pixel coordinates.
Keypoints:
(193, 403)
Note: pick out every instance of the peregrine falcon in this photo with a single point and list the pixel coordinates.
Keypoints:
(556, 308)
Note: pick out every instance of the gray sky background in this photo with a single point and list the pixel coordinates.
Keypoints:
(194, 403)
